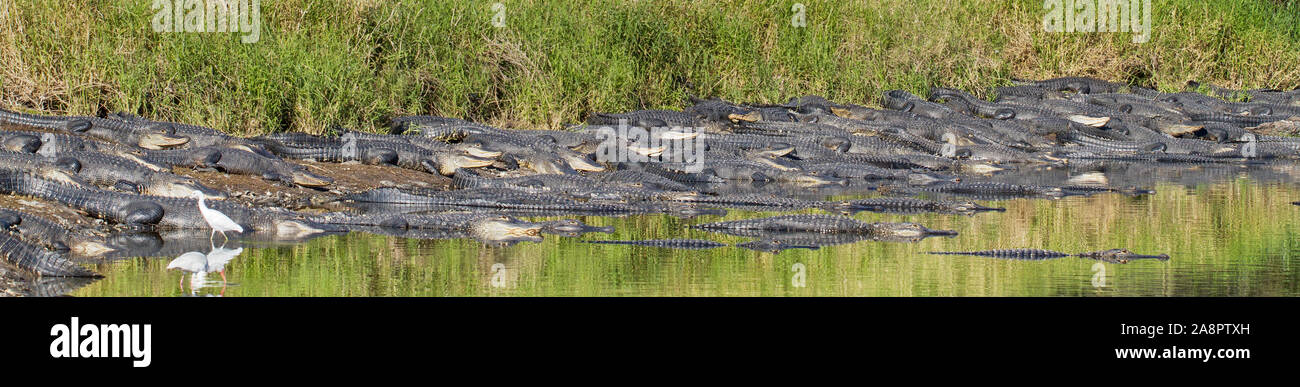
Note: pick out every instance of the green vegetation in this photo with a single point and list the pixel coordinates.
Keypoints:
(356, 63)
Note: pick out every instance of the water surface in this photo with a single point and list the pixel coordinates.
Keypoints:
(1231, 237)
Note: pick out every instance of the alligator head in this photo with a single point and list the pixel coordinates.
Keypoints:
(1121, 256)
(974, 207)
(477, 150)
(572, 228)
(446, 163)
(581, 163)
(920, 178)
(161, 141)
(22, 143)
(504, 230)
(1095, 122)
(772, 246)
(178, 187)
(907, 231)
(308, 179)
(544, 164)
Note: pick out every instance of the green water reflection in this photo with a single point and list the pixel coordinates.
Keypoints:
(1234, 238)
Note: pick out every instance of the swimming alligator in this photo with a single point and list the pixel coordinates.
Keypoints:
(826, 224)
(1111, 255)
(688, 244)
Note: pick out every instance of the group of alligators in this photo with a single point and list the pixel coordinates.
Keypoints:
(1067, 136)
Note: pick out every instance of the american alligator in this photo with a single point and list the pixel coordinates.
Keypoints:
(1075, 84)
(159, 211)
(108, 170)
(773, 245)
(58, 186)
(993, 189)
(36, 229)
(826, 224)
(490, 198)
(486, 228)
(1111, 255)
(36, 260)
(689, 244)
(912, 205)
(244, 161)
(353, 147)
(572, 228)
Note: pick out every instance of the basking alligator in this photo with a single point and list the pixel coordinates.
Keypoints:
(48, 233)
(37, 260)
(354, 147)
(1112, 255)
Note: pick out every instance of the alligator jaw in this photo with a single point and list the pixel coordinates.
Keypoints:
(505, 230)
(454, 162)
(309, 180)
(477, 151)
(1095, 122)
(582, 164)
(678, 135)
(1177, 130)
(1121, 256)
(772, 246)
(976, 207)
(156, 141)
(181, 189)
(753, 116)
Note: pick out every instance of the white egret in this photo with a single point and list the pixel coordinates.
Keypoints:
(200, 264)
(219, 222)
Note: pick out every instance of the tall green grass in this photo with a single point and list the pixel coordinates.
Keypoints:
(356, 63)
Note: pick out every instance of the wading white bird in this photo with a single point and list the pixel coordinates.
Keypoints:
(200, 264)
(219, 222)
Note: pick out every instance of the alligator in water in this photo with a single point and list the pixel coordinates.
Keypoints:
(825, 224)
(1111, 255)
(486, 228)
(912, 205)
(688, 244)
